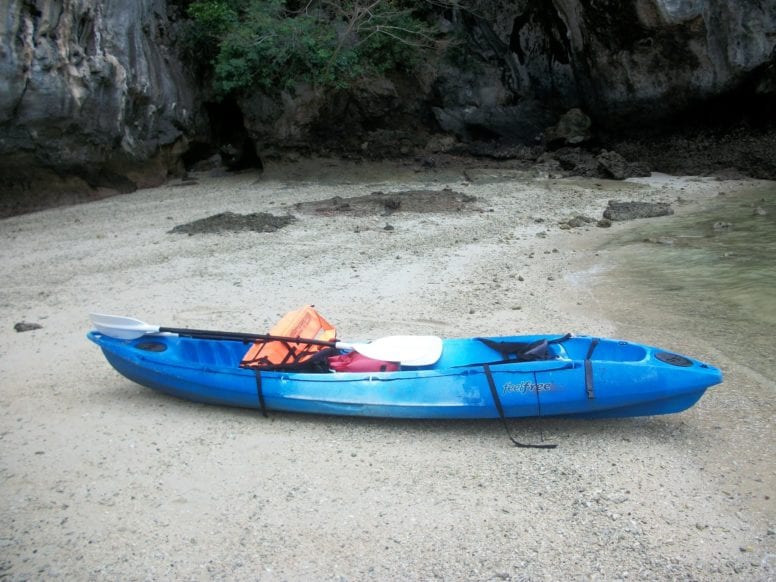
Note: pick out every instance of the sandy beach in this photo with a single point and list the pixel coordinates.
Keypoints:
(105, 480)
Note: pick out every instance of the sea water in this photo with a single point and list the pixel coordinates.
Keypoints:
(709, 273)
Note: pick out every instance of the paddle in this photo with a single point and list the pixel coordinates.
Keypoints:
(408, 350)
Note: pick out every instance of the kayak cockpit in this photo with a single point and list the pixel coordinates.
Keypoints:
(456, 352)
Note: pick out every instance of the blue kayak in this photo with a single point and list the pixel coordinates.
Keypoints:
(474, 378)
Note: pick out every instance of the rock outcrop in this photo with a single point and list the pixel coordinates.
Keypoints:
(624, 63)
(93, 95)
(91, 92)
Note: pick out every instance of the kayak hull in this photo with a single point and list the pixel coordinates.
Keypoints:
(619, 379)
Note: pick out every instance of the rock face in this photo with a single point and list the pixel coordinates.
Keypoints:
(93, 93)
(659, 56)
(521, 65)
(91, 90)
(619, 61)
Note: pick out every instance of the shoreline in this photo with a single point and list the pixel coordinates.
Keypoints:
(106, 479)
(734, 446)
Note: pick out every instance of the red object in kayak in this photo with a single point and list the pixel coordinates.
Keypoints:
(355, 362)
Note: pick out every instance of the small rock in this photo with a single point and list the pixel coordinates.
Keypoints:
(388, 227)
(604, 223)
(760, 211)
(576, 160)
(392, 203)
(26, 326)
(661, 240)
(572, 128)
(613, 165)
(576, 222)
(721, 225)
(630, 210)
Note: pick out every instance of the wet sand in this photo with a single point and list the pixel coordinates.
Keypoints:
(104, 479)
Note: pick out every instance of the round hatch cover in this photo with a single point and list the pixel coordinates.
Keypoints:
(673, 359)
(151, 346)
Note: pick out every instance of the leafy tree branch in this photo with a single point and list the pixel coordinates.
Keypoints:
(274, 44)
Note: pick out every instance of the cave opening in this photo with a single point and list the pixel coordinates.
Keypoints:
(752, 104)
(228, 138)
(479, 132)
(556, 46)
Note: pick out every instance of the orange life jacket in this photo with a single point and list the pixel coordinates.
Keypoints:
(304, 323)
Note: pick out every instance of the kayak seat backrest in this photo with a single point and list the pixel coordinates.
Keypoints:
(303, 323)
(537, 350)
(606, 350)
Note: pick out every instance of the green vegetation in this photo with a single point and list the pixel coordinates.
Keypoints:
(273, 44)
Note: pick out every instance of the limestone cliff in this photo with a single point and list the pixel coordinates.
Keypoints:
(626, 63)
(93, 93)
(91, 88)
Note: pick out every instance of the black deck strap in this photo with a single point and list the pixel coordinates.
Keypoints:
(260, 392)
(589, 369)
(290, 354)
(500, 409)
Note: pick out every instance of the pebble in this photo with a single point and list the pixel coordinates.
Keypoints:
(26, 326)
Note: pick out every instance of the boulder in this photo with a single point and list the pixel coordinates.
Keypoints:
(572, 128)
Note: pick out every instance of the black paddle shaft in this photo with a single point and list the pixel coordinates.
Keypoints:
(246, 337)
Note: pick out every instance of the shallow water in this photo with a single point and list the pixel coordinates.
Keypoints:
(714, 271)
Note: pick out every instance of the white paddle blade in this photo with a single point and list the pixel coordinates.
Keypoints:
(408, 350)
(121, 327)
